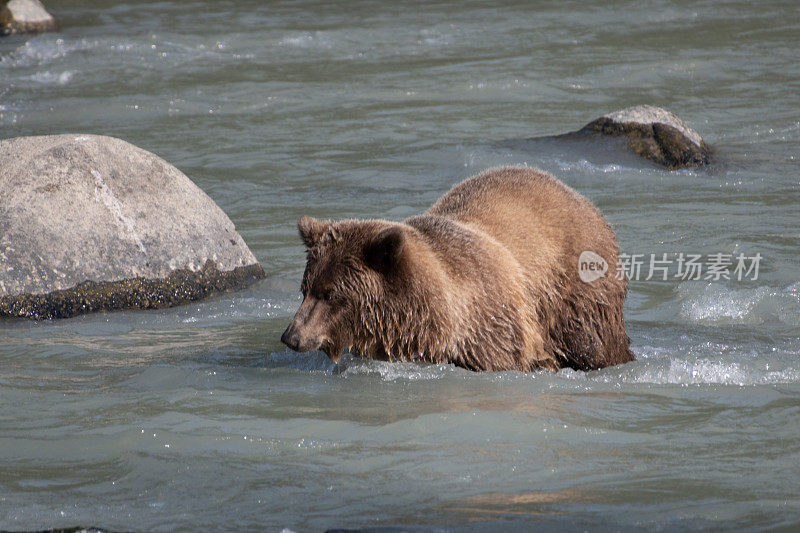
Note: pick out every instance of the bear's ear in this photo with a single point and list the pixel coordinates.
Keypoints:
(312, 230)
(384, 252)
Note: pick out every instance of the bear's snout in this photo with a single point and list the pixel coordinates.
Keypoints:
(308, 330)
(297, 341)
(291, 339)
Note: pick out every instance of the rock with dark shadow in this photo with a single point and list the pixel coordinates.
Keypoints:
(652, 133)
(25, 16)
(91, 223)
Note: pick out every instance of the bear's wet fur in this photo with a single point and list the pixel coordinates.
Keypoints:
(486, 279)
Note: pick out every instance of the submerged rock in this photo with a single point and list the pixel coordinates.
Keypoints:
(91, 223)
(655, 134)
(25, 16)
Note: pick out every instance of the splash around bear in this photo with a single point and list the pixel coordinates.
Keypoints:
(486, 279)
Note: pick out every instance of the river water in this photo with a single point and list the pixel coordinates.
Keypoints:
(197, 417)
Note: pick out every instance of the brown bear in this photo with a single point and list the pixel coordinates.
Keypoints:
(486, 279)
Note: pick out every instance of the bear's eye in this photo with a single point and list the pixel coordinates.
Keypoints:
(327, 296)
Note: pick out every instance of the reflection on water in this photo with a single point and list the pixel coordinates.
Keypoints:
(477, 508)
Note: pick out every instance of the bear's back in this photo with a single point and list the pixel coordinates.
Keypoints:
(542, 222)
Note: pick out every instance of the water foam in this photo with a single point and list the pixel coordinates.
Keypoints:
(677, 369)
(706, 363)
(719, 372)
(584, 165)
(53, 78)
(315, 39)
(396, 371)
(41, 51)
(350, 365)
(715, 303)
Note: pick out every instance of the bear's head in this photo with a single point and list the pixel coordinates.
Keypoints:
(351, 268)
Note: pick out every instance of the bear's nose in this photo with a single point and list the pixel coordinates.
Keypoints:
(291, 339)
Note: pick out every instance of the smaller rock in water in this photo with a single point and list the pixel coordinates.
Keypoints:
(92, 223)
(655, 134)
(25, 16)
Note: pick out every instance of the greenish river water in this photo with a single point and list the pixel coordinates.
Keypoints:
(198, 418)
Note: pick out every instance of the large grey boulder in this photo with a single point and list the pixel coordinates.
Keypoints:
(25, 16)
(655, 134)
(91, 223)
